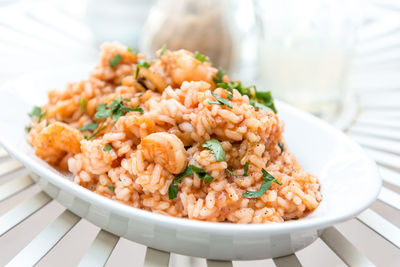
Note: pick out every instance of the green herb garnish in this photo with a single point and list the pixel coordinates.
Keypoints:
(117, 58)
(215, 146)
(173, 188)
(82, 103)
(37, 112)
(95, 133)
(201, 173)
(266, 99)
(28, 129)
(112, 188)
(282, 147)
(129, 49)
(265, 185)
(200, 57)
(141, 64)
(246, 168)
(116, 109)
(231, 172)
(163, 48)
(172, 191)
(108, 147)
(219, 77)
(89, 126)
(220, 101)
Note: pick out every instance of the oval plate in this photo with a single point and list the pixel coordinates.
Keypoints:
(349, 184)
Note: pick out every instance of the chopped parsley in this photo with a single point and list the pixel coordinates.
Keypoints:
(129, 49)
(112, 188)
(82, 103)
(200, 57)
(220, 101)
(246, 168)
(95, 133)
(265, 185)
(37, 112)
(141, 64)
(116, 109)
(219, 77)
(163, 48)
(231, 172)
(215, 146)
(172, 191)
(89, 126)
(28, 129)
(200, 172)
(117, 58)
(282, 147)
(173, 188)
(108, 147)
(261, 100)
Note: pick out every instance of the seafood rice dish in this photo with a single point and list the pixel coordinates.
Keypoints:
(174, 135)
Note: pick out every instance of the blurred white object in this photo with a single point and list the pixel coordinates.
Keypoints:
(119, 20)
(306, 52)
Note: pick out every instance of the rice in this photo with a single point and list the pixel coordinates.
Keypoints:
(135, 157)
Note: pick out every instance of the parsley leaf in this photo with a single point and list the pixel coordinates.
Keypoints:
(246, 168)
(282, 147)
(141, 64)
(95, 133)
(265, 185)
(200, 57)
(82, 103)
(116, 109)
(108, 147)
(259, 105)
(266, 99)
(220, 101)
(163, 48)
(37, 112)
(129, 49)
(89, 126)
(215, 146)
(173, 188)
(117, 58)
(172, 191)
(201, 173)
(219, 78)
(112, 188)
(231, 172)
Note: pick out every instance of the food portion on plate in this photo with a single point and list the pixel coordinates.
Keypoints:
(174, 136)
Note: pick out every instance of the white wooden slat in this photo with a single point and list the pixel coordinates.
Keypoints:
(287, 261)
(390, 176)
(384, 158)
(344, 249)
(388, 119)
(381, 226)
(9, 166)
(100, 250)
(14, 186)
(213, 263)
(390, 197)
(379, 144)
(156, 258)
(22, 211)
(375, 131)
(45, 241)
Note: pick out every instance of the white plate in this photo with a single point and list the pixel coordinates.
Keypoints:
(349, 184)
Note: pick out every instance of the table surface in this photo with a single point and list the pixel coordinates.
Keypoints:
(41, 35)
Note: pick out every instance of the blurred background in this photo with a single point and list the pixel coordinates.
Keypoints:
(314, 54)
(338, 59)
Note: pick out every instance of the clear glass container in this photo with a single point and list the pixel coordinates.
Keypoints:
(305, 52)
